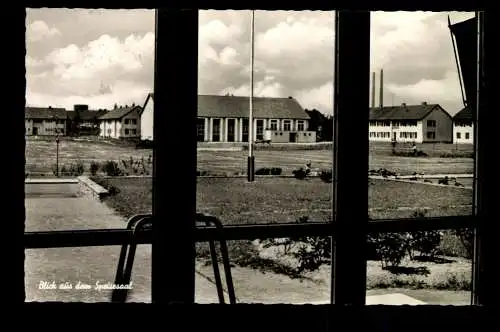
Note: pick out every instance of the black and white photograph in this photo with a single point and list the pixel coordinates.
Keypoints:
(279, 142)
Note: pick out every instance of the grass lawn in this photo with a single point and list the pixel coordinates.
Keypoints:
(272, 200)
(41, 155)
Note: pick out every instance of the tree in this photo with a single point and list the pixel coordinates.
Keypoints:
(322, 124)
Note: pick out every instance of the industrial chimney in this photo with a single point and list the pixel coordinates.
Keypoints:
(373, 89)
(381, 97)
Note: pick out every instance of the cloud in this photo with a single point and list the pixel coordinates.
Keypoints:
(114, 49)
(39, 30)
(76, 73)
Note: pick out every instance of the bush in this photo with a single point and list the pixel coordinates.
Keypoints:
(457, 155)
(299, 174)
(419, 153)
(94, 167)
(110, 168)
(106, 185)
(268, 171)
(390, 248)
(326, 176)
(444, 180)
(69, 170)
(310, 252)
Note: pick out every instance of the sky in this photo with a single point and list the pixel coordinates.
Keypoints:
(102, 57)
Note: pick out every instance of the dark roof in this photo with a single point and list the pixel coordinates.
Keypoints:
(86, 115)
(404, 112)
(118, 113)
(465, 115)
(238, 107)
(44, 113)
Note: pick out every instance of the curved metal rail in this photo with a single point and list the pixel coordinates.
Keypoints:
(142, 222)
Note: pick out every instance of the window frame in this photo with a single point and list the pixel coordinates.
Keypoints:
(348, 235)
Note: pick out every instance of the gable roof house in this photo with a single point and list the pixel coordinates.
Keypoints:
(225, 119)
(120, 122)
(45, 121)
(463, 127)
(410, 123)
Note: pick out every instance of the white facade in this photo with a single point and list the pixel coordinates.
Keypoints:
(236, 130)
(128, 126)
(147, 119)
(463, 132)
(401, 131)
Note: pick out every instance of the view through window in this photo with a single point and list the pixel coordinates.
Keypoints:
(89, 132)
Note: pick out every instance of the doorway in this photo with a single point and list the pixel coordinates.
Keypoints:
(231, 124)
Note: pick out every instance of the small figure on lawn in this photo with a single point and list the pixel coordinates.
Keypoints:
(308, 167)
(393, 143)
(414, 148)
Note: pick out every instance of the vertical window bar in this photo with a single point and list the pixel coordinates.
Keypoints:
(351, 110)
(486, 246)
(174, 193)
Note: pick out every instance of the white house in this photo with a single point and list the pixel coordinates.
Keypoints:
(463, 127)
(121, 122)
(147, 118)
(42, 121)
(424, 123)
(225, 119)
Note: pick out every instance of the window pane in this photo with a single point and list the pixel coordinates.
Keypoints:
(83, 274)
(82, 119)
(420, 162)
(292, 123)
(432, 267)
(284, 270)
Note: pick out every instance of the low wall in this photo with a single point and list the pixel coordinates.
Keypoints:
(90, 189)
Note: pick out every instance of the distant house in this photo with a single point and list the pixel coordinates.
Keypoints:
(41, 121)
(463, 127)
(121, 122)
(82, 121)
(424, 123)
(226, 119)
(147, 118)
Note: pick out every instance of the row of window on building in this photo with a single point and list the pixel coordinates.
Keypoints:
(387, 134)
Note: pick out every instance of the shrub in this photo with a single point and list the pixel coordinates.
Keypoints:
(426, 243)
(299, 174)
(94, 167)
(268, 171)
(466, 237)
(326, 176)
(457, 243)
(77, 169)
(106, 185)
(444, 180)
(419, 153)
(111, 168)
(391, 248)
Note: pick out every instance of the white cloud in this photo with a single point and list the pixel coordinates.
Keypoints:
(444, 92)
(267, 88)
(101, 55)
(320, 98)
(39, 30)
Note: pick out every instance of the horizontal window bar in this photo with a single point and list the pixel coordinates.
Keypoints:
(110, 237)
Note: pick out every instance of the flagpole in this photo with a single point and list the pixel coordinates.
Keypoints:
(251, 159)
